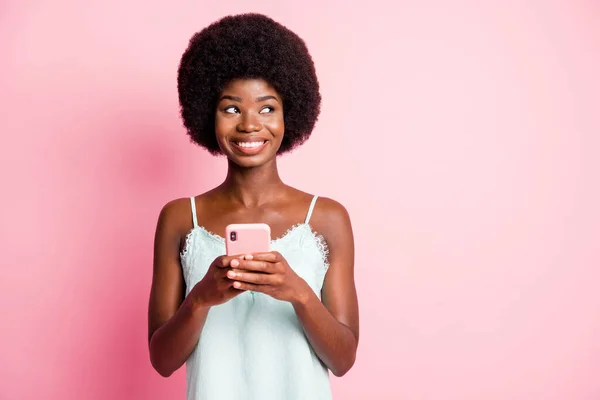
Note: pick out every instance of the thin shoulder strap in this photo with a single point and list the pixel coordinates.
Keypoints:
(310, 209)
(193, 203)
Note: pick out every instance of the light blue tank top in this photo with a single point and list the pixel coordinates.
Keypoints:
(253, 346)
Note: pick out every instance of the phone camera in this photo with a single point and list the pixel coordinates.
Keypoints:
(233, 236)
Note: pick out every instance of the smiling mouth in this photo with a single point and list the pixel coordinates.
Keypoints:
(249, 148)
(250, 145)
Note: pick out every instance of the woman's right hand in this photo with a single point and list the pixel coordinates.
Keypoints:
(215, 288)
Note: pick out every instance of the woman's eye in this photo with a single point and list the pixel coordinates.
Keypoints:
(231, 110)
(266, 110)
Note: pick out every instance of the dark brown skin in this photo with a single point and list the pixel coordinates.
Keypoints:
(251, 110)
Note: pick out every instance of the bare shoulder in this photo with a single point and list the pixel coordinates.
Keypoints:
(176, 216)
(330, 209)
(331, 219)
(176, 205)
(174, 209)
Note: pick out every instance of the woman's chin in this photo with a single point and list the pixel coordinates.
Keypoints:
(243, 160)
(249, 162)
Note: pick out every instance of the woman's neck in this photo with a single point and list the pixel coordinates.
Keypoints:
(252, 187)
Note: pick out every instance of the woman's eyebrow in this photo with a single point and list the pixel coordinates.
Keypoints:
(239, 99)
(233, 98)
(267, 97)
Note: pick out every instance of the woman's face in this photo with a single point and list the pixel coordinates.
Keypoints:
(249, 122)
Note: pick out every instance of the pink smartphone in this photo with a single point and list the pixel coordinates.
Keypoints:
(247, 238)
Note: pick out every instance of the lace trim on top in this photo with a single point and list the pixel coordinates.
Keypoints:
(319, 239)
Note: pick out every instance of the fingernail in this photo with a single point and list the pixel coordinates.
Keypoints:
(234, 263)
(248, 257)
(237, 284)
(231, 274)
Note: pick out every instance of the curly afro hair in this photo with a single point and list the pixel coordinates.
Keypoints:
(247, 46)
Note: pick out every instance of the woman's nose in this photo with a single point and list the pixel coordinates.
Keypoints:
(249, 123)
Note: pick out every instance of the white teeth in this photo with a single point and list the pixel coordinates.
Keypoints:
(249, 144)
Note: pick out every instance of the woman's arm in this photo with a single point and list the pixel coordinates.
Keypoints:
(174, 324)
(332, 325)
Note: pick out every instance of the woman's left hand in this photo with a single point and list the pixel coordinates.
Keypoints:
(268, 273)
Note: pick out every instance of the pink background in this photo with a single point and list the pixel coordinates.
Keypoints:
(463, 138)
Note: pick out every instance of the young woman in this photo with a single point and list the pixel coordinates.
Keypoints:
(252, 326)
